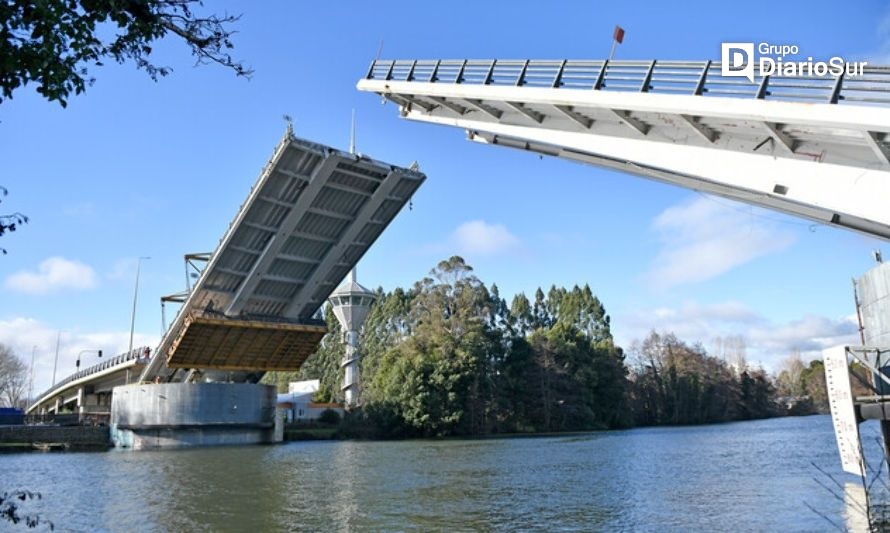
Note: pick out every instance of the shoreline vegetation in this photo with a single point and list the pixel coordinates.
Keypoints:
(449, 357)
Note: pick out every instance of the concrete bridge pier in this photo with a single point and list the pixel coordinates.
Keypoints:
(173, 415)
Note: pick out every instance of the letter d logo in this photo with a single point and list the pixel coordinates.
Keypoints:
(737, 59)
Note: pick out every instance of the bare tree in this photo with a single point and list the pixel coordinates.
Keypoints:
(789, 382)
(733, 350)
(13, 378)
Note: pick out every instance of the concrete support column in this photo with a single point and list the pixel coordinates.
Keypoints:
(80, 401)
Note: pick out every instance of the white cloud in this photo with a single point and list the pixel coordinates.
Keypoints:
(768, 342)
(26, 334)
(55, 273)
(705, 238)
(476, 238)
(482, 238)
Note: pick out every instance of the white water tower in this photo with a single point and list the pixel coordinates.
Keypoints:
(351, 302)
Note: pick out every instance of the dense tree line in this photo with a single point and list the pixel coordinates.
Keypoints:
(678, 383)
(450, 356)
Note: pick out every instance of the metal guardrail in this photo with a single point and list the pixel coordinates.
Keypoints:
(700, 78)
(135, 353)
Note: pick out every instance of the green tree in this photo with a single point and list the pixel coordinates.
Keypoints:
(55, 43)
(438, 380)
(813, 380)
(449, 357)
(521, 319)
(324, 365)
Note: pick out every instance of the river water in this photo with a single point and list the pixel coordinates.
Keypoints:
(750, 476)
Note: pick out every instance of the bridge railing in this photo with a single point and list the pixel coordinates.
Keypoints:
(135, 353)
(702, 78)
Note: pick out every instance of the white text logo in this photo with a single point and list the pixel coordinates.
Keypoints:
(737, 59)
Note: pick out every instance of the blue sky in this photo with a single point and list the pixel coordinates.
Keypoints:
(137, 168)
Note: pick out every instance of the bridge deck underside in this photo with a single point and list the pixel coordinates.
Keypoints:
(825, 157)
(230, 344)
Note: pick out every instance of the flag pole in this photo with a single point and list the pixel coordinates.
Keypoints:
(617, 38)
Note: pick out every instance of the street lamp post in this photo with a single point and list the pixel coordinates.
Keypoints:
(56, 362)
(86, 351)
(135, 296)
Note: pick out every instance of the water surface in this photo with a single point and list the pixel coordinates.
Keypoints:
(730, 477)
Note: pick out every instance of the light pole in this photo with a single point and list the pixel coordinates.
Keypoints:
(31, 375)
(86, 351)
(56, 362)
(135, 296)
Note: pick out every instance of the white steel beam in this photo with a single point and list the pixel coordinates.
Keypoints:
(576, 117)
(846, 196)
(347, 188)
(530, 113)
(312, 237)
(780, 136)
(706, 133)
(857, 118)
(444, 102)
(273, 247)
(880, 151)
(346, 240)
(485, 108)
(631, 122)
(328, 213)
(298, 258)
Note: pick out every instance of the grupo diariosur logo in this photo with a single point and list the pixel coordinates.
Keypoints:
(737, 59)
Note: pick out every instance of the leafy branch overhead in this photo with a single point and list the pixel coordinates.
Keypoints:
(11, 509)
(10, 222)
(55, 43)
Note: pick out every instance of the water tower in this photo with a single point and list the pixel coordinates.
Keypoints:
(351, 304)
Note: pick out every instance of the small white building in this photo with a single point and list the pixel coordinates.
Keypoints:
(298, 405)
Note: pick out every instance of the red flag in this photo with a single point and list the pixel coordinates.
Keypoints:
(618, 34)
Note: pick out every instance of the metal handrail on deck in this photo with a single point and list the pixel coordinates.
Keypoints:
(135, 353)
(699, 78)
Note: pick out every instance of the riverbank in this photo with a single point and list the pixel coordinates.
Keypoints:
(54, 438)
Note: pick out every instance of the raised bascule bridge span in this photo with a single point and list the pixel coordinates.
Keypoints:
(312, 214)
(814, 146)
(310, 217)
